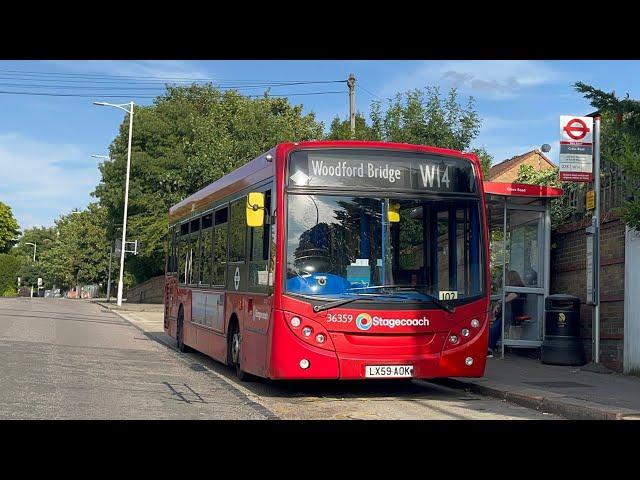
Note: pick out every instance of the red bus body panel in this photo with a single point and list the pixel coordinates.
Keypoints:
(271, 348)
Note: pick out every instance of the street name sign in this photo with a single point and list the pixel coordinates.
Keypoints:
(576, 149)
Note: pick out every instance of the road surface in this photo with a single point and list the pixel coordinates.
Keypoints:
(71, 359)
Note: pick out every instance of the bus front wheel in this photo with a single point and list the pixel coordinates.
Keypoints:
(235, 342)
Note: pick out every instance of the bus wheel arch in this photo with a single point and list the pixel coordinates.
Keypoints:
(180, 331)
(234, 342)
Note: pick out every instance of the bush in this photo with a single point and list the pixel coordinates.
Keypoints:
(9, 266)
(10, 292)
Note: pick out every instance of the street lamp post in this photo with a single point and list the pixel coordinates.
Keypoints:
(34, 259)
(126, 191)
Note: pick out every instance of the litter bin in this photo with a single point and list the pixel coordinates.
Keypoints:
(562, 345)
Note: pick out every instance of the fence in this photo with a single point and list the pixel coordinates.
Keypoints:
(615, 188)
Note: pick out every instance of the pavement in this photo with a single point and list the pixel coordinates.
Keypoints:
(578, 393)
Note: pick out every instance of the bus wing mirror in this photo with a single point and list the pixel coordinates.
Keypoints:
(394, 213)
(255, 209)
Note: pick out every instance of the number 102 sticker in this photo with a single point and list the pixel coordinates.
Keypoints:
(448, 295)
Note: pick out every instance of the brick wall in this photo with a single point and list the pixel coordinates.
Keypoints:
(568, 275)
(151, 291)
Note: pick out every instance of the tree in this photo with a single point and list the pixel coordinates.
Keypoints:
(620, 136)
(9, 266)
(485, 160)
(188, 138)
(425, 117)
(9, 228)
(29, 272)
(80, 253)
(561, 209)
(43, 237)
(341, 129)
(420, 117)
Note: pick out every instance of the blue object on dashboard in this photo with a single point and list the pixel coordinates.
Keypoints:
(318, 284)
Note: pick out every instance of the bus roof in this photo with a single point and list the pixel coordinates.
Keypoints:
(260, 169)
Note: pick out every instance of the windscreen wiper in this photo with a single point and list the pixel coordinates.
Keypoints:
(344, 301)
(435, 300)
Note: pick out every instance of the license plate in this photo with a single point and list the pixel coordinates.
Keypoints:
(389, 371)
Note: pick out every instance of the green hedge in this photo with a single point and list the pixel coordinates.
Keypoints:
(9, 266)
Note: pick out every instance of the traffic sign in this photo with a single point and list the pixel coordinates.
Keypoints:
(576, 129)
(576, 148)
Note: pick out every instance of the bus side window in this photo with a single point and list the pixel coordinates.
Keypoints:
(169, 250)
(260, 235)
(183, 253)
(194, 258)
(220, 246)
(238, 231)
(260, 238)
(205, 250)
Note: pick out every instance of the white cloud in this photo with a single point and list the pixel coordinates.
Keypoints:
(493, 79)
(36, 183)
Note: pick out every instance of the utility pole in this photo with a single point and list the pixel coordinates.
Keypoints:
(351, 82)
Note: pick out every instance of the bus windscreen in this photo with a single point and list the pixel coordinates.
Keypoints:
(340, 246)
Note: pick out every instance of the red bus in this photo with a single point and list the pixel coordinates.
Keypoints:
(335, 260)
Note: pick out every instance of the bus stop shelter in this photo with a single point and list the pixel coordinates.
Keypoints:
(520, 238)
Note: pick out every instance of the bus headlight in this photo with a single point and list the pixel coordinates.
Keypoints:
(475, 323)
(295, 322)
(304, 363)
(465, 332)
(307, 331)
(453, 338)
(320, 338)
(468, 361)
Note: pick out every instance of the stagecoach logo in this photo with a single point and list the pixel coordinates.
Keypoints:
(236, 278)
(364, 321)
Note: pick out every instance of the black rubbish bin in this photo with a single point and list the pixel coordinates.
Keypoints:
(562, 345)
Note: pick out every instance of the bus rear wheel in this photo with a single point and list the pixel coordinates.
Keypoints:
(180, 332)
(235, 342)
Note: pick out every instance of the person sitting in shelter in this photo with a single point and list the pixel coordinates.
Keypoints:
(515, 301)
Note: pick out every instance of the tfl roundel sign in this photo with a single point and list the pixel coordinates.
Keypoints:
(576, 129)
(576, 149)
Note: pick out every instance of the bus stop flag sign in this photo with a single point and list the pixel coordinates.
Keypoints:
(576, 149)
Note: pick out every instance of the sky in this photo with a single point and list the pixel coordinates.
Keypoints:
(46, 142)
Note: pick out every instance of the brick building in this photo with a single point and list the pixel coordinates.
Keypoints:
(507, 170)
